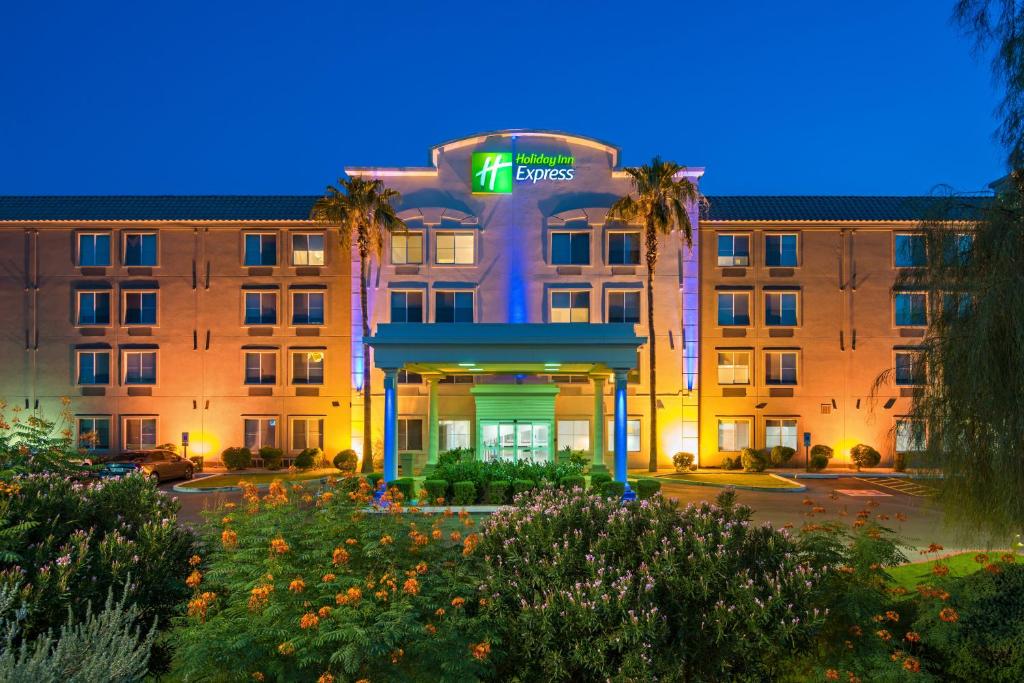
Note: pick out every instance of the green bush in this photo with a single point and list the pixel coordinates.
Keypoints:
(405, 486)
(727, 463)
(346, 460)
(822, 450)
(464, 493)
(308, 458)
(498, 492)
(522, 486)
(573, 481)
(236, 458)
(863, 455)
(437, 489)
(374, 478)
(781, 455)
(613, 489)
(454, 455)
(818, 462)
(683, 461)
(645, 488)
(597, 481)
(752, 460)
(482, 473)
(578, 458)
(271, 457)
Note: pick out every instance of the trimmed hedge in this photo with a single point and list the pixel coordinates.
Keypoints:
(464, 493)
(752, 460)
(818, 462)
(236, 458)
(683, 461)
(498, 492)
(405, 486)
(522, 486)
(346, 460)
(374, 479)
(573, 481)
(863, 455)
(436, 489)
(597, 481)
(271, 457)
(781, 455)
(614, 489)
(645, 488)
(307, 458)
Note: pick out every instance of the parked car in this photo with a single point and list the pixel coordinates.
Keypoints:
(159, 465)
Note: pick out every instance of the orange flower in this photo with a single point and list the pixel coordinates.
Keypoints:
(227, 519)
(397, 655)
(421, 568)
(471, 542)
(884, 635)
(279, 546)
(948, 615)
(350, 541)
(933, 548)
(324, 612)
(993, 568)
(856, 631)
(259, 596)
(297, 586)
(230, 506)
(912, 664)
(480, 650)
(458, 602)
(981, 558)
(455, 536)
(197, 608)
(892, 616)
(327, 578)
(325, 677)
(309, 620)
(436, 534)
(439, 612)
(411, 587)
(940, 570)
(913, 637)
(194, 561)
(340, 556)
(286, 649)
(194, 579)
(258, 676)
(832, 675)
(229, 538)
(1008, 557)
(327, 497)
(381, 595)
(386, 540)
(430, 628)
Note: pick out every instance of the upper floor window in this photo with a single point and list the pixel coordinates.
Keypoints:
(455, 248)
(570, 248)
(93, 367)
(139, 308)
(94, 432)
(140, 248)
(93, 308)
(909, 250)
(261, 308)
(780, 367)
(307, 367)
(407, 307)
(957, 249)
(780, 250)
(624, 248)
(957, 305)
(453, 307)
(94, 248)
(139, 433)
(734, 367)
(780, 309)
(307, 308)
(624, 307)
(911, 309)
(734, 250)
(409, 377)
(261, 367)
(308, 249)
(140, 367)
(407, 248)
(570, 307)
(733, 309)
(260, 249)
(909, 369)
(780, 432)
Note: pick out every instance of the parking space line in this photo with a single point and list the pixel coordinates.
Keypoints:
(901, 485)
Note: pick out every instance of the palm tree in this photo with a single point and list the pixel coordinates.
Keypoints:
(660, 198)
(364, 210)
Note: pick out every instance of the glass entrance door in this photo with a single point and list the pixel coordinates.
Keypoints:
(517, 440)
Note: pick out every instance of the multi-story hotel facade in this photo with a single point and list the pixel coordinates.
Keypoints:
(509, 318)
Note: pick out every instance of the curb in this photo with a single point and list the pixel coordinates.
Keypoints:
(799, 488)
(843, 475)
(182, 488)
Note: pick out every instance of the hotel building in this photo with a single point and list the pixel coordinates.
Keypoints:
(509, 318)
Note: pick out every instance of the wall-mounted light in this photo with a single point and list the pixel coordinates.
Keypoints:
(890, 403)
(760, 406)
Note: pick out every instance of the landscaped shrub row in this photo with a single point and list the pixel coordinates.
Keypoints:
(518, 476)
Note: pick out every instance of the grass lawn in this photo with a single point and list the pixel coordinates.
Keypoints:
(232, 479)
(962, 564)
(760, 480)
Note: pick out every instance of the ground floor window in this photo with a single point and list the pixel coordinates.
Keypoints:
(733, 433)
(260, 432)
(780, 432)
(520, 441)
(909, 435)
(410, 434)
(94, 432)
(632, 435)
(307, 432)
(139, 433)
(574, 434)
(453, 434)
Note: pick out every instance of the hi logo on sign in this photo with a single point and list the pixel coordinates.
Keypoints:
(491, 173)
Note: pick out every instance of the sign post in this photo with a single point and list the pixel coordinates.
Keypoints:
(807, 451)
(184, 444)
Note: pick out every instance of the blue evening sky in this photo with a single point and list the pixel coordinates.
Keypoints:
(789, 97)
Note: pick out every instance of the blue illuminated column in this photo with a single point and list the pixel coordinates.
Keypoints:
(621, 451)
(390, 424)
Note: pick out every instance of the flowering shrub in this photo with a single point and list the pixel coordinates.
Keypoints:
(301, 585)
(579, 587)
(483, 473)
(29, 443)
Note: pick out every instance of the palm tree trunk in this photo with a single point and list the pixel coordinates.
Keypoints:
(652, 259)
(367, 393)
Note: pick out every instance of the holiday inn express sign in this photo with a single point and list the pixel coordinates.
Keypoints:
(497, 172)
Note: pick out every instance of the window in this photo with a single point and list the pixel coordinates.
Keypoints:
(456, 379)
(308, 249)
(957, 306)
(140, 249)
(408, 377)
(574, 434)
(570, 307)
(780, 432)
(909, 369)
(780, 309)
(780, 368)
(910, 435)
(407, 248)
(261, 308)
(453, 307)
(569, 379)
(93, 308)
(140, 367)
(406, 307)
(734, 367)
(734, 250)
(94, 249)
(570, 248)
(624, 248)
(307, 308)
(307, 367)
(624, 307)
(94, 433)
(911, 309)
(260, 432)
(139, 433)
(261, 367)
(307, 432)
(455, 248)
(260, 249)
(780, 250)
(733, 309)
(93, 367)
(632, 435)
(909, 250)
(957, 249)
(733, 433)
(140, 308)
(410, 434)
(453, 434)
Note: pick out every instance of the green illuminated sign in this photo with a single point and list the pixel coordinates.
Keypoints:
(492, 173)
(497, 172)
